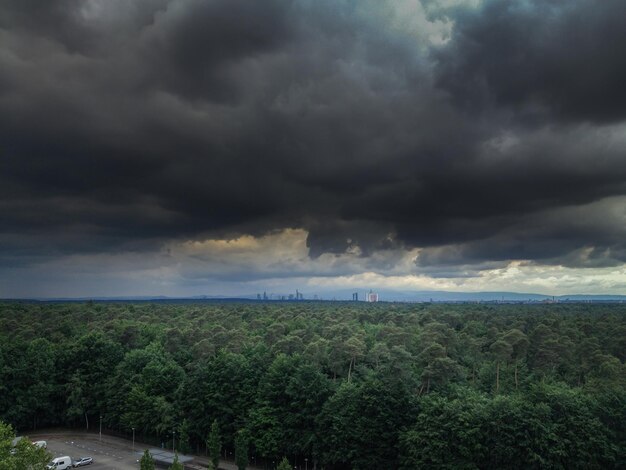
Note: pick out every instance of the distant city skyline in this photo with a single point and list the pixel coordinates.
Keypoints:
(194, 147)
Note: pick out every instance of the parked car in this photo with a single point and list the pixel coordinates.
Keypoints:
(83, 461)
(60, 463)
(42, 444)
(14, 444)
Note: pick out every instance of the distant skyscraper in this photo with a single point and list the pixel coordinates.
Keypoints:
(371, 296)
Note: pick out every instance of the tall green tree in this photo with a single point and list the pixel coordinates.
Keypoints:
(575, 437)
(40, 381)
(519, 346)
(471, 351)
(445, 434)
(355, 349)
(361, 422)
(440, 371)
(89, 362)
(214, 444)
(144, 388)
(290, 396)
(222, 387)
(501, 351)
(183, 437)
(469, 429)
(241, 449)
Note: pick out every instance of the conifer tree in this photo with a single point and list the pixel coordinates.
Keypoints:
(176, 465)
(284, 464)
(146, 462)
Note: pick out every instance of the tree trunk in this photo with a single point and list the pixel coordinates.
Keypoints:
(350, 369)
(86, 421)
(497, 376)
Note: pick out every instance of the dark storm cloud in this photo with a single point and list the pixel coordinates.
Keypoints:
(127, 124)
(191, 44)
(550, 58)
(583, 236)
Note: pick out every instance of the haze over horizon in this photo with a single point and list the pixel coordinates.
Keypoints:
(191, 147)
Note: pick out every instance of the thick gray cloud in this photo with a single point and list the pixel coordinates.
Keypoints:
(478, 133)
(548, 59)
(577, 236)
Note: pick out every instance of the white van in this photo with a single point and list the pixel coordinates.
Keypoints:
(60, 463)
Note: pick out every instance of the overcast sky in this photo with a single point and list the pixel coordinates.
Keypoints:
(183, 147)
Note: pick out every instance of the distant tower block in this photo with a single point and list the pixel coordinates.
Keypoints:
(355, 296)
(371, 296)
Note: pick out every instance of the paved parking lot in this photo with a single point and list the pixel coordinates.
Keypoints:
(110, 453)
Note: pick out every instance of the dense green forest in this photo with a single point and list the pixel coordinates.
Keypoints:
(344, 385)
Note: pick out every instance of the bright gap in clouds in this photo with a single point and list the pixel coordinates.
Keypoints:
(280, 262)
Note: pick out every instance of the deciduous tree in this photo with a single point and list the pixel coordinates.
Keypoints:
(241, 449)
(214, 444)
(24, 455)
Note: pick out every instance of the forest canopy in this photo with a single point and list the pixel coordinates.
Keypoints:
(342, 384)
